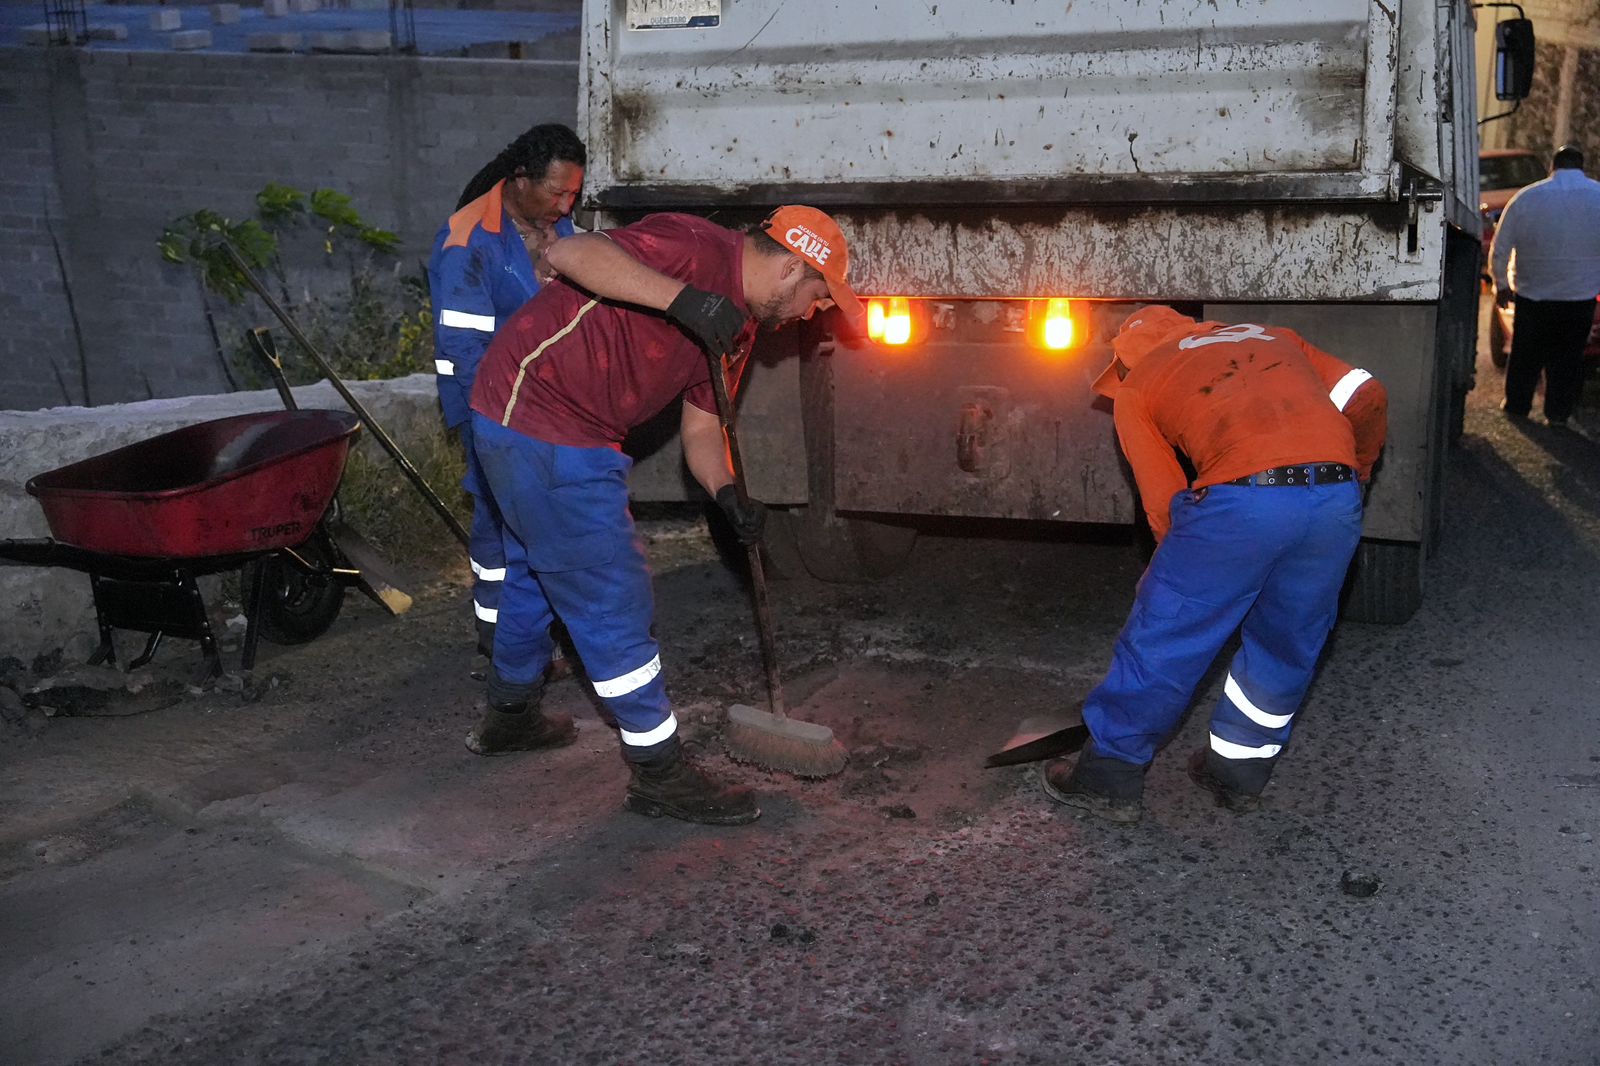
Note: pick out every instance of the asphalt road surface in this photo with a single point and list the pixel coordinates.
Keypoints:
(323, 874)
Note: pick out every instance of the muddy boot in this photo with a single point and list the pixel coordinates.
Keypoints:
(1107, 788)
(519, 725)
(671, 785)
(485, 638)
(1203, 773)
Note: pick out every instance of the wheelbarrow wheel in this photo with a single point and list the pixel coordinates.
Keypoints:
(298, 607)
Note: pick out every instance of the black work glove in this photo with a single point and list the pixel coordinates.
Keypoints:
(709, 318)
(747, 518)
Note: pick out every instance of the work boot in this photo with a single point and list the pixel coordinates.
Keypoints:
(1203, 774)
(670, 784)
(1109, 789)
(520, 727)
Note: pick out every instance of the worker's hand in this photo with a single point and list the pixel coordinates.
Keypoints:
(747, 518)
(709, 318)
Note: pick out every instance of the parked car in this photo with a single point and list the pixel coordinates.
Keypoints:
(1502, 172)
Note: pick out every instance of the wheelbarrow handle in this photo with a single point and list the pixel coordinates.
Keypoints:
(38, 551)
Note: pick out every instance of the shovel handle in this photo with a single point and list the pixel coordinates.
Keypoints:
(377, 431)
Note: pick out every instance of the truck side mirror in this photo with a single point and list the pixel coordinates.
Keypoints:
(1513, 59)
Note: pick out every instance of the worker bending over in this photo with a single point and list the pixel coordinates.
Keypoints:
(1281, 436)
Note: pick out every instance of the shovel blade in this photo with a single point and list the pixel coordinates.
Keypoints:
(1031, 747)
(375, 576)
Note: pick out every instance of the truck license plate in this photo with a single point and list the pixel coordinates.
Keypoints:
(673, 14)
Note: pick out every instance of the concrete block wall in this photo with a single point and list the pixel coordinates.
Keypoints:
(105, 147)
(37, 341)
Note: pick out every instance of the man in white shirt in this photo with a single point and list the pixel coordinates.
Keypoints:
(1547, 254)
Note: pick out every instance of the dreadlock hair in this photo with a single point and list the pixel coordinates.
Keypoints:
(530, 154)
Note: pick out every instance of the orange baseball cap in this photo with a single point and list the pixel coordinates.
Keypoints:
(1140, 333)
(818, 240)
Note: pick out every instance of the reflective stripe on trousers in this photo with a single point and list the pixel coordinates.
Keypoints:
(1268, 562)
(571, 553)
(485, 537)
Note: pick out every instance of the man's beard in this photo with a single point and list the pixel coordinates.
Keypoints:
(769, 314)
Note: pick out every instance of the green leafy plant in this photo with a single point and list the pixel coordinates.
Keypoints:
(374, 322)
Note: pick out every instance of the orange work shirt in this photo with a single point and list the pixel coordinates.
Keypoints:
(1239, 399)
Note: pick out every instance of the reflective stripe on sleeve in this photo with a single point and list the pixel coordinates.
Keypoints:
(462, 320)
(629, 682)
(1229, 750)
(487, 614)
(1347, 387)
(445, 367)
(1250, 710)
(643, 740)
(486, 573)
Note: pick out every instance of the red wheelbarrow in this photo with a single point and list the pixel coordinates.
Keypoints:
(146, 520)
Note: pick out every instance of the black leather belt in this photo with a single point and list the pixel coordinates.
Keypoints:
(1300, 474)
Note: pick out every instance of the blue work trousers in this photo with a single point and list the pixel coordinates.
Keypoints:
(485, 539)
(571, 553)
(1267, 560)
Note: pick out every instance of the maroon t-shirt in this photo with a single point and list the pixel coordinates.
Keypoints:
(570, 368)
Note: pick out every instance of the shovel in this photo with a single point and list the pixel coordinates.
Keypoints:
(1039, 738)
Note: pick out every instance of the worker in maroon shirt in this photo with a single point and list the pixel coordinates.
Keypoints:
(622, 330)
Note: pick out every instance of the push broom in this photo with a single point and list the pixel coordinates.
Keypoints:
(768, 738)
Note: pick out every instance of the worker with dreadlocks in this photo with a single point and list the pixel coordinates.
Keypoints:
(1281, 436)
(482, 270)
(624, 330)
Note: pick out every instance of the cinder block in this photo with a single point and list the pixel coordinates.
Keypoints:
(274, 9)
(224, 14)
(330, 41)
(166, 19)
(303, 7)
(186, 40)
(37, 34)
(368, 5)
(108, 31)
(275, 42)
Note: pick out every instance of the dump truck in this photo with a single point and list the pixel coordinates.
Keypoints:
(1014, 177)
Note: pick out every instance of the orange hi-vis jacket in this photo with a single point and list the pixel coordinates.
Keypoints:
(1239, 399)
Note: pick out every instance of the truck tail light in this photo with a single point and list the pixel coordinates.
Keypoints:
(1054, 327)
(1053, 324)
(890, 321)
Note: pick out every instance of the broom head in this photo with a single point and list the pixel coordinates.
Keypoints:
(804, 749)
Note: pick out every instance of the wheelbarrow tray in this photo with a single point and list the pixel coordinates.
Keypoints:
(245, 484)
